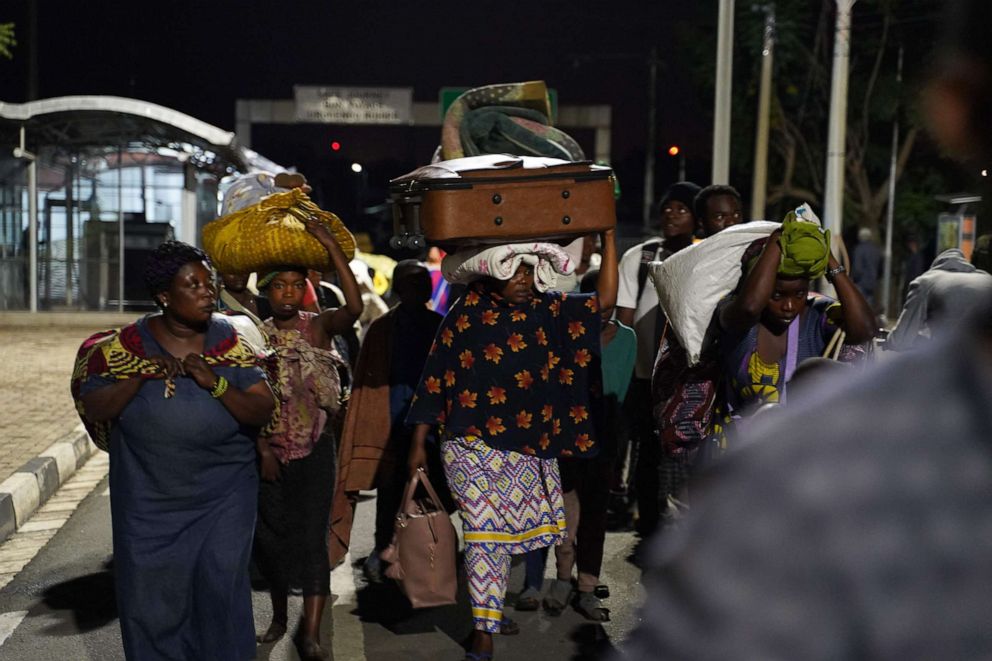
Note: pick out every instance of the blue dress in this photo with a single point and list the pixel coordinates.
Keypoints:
(183, 496)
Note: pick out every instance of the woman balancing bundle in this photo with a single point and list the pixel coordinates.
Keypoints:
(270, 233)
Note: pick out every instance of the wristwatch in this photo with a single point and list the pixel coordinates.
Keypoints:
(833, 273)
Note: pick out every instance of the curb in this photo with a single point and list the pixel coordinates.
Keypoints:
(32, 484)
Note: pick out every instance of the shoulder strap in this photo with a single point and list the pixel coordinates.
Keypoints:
(649, 253)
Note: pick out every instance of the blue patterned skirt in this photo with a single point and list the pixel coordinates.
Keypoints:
(510, 503)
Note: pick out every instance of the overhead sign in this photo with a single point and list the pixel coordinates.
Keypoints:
(354, 105)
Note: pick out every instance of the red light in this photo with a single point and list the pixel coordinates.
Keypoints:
(335, 146)
(673, 150)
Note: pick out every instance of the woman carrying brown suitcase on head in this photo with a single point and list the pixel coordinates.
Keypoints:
(509, 380)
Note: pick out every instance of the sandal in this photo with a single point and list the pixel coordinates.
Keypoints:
(508, 627)
(590, 607)
(557, 598)
(529, 600)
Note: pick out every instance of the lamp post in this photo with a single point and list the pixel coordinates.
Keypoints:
(759, 188)
(724, 86)
(22, 153)
(833, 198)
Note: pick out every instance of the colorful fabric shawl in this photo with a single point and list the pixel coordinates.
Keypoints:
(120, 354)
(308, 386)
(520, 377)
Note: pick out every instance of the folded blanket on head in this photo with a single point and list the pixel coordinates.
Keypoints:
(510, 118)
(691, 282)
(501, 262)
(520, 131)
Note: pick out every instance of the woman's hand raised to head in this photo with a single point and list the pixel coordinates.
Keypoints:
(335, 322)
(320, 231)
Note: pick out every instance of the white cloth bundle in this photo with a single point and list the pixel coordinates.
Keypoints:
(693, 281)
(501, 262)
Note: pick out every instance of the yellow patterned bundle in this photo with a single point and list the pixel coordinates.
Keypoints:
(272, 233)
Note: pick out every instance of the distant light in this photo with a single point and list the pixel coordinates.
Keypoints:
(335, 146)
(356, 167)
(985, 173)
(673, 150)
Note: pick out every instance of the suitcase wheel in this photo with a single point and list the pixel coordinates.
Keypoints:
(408, 241)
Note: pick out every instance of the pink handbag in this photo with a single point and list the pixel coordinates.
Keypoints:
(422, 553)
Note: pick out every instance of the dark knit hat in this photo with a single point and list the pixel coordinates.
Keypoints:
(684, 192)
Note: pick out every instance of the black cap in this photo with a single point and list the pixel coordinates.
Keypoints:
(684, 192)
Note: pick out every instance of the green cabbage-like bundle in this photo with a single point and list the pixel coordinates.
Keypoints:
(805, 247)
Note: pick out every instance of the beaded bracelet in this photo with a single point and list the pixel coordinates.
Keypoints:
(219, 388)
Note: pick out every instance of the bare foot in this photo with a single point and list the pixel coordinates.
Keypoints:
(275, 631)
(482, 643)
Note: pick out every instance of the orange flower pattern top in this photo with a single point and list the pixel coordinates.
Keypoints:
(520, 377)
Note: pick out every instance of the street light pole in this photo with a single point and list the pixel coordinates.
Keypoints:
(833, 199)
(890, 212)
(760, 186)
(23, 153)
(724, 82)
(649, 157)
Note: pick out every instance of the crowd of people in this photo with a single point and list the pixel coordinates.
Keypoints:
(243, 421)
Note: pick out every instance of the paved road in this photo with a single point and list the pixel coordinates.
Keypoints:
(60, 607)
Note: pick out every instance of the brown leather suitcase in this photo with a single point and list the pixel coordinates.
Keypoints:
(501, 199)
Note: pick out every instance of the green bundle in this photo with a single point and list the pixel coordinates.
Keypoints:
(805, 246)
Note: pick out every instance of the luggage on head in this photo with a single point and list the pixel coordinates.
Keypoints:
(498, 198)
(503, 174)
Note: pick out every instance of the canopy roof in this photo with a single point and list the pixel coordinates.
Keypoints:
(111, 122)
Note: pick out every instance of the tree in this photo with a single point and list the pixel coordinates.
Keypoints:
(7, 41)
(801, 100)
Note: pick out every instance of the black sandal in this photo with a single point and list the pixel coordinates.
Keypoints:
(508, 627)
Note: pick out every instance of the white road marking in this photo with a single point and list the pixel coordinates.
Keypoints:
(8, 623)
(348, 640)
(20, 548)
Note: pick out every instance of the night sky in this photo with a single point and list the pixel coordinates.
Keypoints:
(199, 57)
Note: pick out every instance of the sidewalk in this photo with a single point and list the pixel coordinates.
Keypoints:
(42, 442)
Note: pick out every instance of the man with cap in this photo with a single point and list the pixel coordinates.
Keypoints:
(637, 307)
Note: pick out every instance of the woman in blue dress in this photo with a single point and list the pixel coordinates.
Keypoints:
(178, 399)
